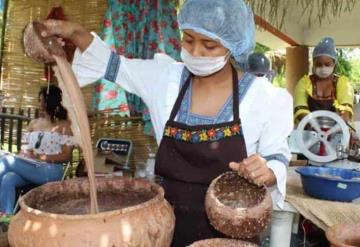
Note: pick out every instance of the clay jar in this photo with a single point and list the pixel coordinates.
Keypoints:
(344, 235)
(217, 242)
(38, 47)
(142, 218)
(236, 207)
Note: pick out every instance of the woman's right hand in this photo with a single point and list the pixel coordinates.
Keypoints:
(68, 30)
(60, 28)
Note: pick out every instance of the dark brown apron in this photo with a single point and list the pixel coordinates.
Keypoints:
(316, 102)
(189, 158)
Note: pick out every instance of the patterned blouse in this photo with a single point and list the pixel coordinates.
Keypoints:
(47, 142)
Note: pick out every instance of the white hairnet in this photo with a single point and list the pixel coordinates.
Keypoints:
(326, 47)
(231, 22)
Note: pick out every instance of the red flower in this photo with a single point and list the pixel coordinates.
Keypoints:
(175, 25)
(153, 45)
(111, 94)
(107, 23)
(124, 107)
(129, 36)
(154, 25)
(99, 88)
(141, 15)
(117, 29)
(235, 128)
(175, 43)
(131, 17)
(173, 131)
(211, 133)
(121, 50)
(188, 135)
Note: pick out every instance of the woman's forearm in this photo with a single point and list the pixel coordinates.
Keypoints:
(54, 158)
(81, 37)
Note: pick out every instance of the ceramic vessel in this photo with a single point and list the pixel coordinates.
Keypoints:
(150, 222)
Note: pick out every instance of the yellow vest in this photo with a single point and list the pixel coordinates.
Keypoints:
(304, 89)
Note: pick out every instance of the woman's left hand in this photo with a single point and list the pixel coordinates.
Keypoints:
(255, 169)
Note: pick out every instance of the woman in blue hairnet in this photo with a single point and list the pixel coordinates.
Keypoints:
(324, 90)
(209, 116)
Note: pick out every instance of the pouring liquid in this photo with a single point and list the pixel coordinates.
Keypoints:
(75, 104)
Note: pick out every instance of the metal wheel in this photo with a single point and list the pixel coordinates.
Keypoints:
(323, 125)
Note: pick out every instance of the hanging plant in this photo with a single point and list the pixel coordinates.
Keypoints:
(275, 11)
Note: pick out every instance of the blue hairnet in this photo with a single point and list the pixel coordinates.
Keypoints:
(231, 22)
(326, 47)
(258, 63)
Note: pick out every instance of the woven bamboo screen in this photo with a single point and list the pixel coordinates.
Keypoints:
(21, 78)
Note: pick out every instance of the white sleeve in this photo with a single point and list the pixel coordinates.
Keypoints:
(136, 76)
(273, 144)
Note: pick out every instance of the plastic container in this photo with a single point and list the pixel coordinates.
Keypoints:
(333, 184)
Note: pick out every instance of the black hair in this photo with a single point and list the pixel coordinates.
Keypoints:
(52, 101)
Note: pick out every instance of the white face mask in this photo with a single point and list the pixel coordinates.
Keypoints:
(203, 66)
(324, 72)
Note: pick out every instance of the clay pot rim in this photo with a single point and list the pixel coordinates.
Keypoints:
(38, 213)
(222, 240)
(230, 212)
(331, 232)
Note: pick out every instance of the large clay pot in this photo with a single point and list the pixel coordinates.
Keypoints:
(222, 242)
(144, 219)
(236, 207)
(343, 235)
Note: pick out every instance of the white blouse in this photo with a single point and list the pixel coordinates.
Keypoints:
(47, 142)
(265, 111)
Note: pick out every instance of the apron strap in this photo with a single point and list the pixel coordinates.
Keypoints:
(235, 94)
(180, 97)
(182, 92)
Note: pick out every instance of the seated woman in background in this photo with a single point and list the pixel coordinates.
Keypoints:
(49, 144)
(324, 90)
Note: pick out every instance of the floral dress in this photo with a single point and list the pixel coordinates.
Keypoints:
(137, 29)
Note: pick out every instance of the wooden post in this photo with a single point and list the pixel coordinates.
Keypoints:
(4, 109)
(11, 126)
(297, 65)
(19, 131)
